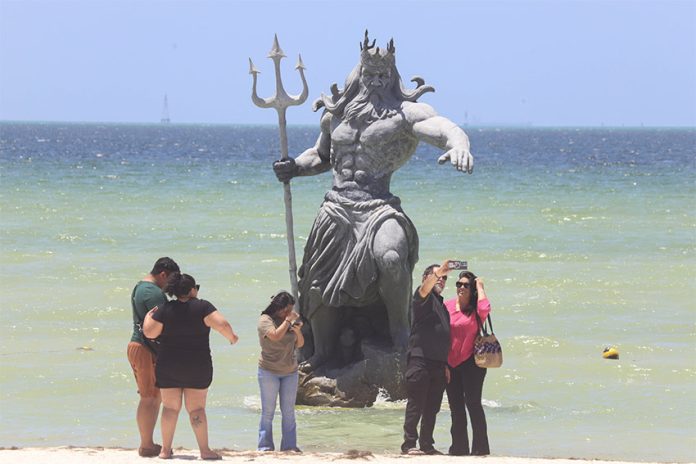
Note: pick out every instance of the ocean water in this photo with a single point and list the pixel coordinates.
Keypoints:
(586, 238)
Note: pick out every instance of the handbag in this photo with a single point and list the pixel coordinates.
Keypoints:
(487, 349)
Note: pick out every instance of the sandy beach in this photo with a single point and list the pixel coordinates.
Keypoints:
(77, 455)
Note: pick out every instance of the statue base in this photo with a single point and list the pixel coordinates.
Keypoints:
(358, 384)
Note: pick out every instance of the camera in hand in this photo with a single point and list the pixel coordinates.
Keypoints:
(458, 265)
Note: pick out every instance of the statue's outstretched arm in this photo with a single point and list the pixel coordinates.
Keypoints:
(312, 161)
(446, 135)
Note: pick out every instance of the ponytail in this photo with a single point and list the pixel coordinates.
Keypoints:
(179, 284)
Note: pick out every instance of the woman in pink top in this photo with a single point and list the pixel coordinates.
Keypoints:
(466, 378)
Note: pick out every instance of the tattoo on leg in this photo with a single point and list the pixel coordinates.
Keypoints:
(196, 420)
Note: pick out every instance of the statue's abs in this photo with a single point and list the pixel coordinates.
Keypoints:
(364, 159)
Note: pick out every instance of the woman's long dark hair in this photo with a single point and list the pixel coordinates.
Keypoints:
(279, 301)
(179, 284)
(473, 293)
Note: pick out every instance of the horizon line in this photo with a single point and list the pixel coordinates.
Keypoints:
(470, 126)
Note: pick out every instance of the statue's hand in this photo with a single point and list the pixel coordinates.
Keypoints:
(285, 169)
(461, 159)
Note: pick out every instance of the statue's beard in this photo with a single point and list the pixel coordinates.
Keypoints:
(370, 105)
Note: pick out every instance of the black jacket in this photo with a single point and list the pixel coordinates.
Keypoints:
(430, 329)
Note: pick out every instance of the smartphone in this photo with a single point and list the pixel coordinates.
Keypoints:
(458, 265)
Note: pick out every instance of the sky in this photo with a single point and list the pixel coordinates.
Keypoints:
(540, 63)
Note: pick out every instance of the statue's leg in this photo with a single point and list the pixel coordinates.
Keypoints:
(391, 253)
(324, 322)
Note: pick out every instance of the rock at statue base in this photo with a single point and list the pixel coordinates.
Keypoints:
(356, 385)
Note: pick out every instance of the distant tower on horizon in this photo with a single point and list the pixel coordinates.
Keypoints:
(165, 111)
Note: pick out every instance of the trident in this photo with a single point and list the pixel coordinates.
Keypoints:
(280, 101)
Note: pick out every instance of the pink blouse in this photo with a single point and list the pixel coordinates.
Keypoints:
(463, 330)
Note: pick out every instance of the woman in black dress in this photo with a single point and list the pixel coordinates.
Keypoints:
(184, 366)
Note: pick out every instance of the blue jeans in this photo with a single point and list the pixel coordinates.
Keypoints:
(272, 385)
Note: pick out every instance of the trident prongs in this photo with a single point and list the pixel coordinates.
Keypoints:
(276, 51)
(252, 68)
(281, 100)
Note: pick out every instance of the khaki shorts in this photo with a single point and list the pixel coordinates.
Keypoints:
(143, 363)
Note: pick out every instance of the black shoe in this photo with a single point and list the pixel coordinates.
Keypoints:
(452, 452)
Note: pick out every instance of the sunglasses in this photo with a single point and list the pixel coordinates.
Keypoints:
(197, 287)
(441, 277)
(462, 284)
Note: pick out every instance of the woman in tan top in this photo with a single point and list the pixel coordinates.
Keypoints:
(279, 335)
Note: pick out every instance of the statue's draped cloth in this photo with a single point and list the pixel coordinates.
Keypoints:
(339, 268)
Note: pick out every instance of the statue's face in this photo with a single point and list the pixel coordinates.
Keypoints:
(375, 78)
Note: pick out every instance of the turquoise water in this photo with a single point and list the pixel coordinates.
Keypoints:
(585, 237)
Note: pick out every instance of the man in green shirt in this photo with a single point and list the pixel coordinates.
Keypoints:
(142, 354)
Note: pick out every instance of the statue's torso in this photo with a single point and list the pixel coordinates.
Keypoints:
(365, 156)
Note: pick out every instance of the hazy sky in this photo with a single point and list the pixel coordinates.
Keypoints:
(545, 63)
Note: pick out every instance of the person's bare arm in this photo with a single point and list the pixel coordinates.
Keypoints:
(279, 332)
(480, 290)
(151, 327)
(217, 321)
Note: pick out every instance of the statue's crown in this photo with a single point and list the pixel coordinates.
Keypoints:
(373, 57)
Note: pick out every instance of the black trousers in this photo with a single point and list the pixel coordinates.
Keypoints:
(425, 384)
(464, 393)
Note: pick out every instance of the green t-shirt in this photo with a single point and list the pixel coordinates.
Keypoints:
(146, 296)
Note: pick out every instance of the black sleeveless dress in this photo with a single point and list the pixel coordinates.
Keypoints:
(184, 360)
